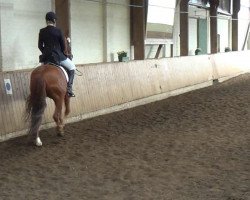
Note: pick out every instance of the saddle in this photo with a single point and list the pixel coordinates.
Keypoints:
(53, 59)
(65, 71)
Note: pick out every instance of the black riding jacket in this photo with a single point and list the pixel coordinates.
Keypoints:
(51, 40)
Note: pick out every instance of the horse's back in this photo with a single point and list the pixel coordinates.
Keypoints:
(49, 72)
(51, 76)
(46, 69)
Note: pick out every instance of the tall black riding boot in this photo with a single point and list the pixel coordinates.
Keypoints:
(71, 74)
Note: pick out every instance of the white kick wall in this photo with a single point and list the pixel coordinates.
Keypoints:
(244, 16)
(20, 22)
(99, 30)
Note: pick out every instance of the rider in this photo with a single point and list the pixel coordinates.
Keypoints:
(51, 42)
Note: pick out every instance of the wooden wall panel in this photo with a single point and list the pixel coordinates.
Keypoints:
(14, 106)
(103, 88)
(2, 108)
(8, 108)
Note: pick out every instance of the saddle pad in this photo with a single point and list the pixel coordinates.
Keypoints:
(65, 73)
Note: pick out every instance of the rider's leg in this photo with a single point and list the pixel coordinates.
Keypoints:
(71, 74)
(70, 66)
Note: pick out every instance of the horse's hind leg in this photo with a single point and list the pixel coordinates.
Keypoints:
(67, 104)
(58, 117)
(34, 132)
(36, 120)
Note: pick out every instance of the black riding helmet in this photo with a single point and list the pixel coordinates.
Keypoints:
(51, 16)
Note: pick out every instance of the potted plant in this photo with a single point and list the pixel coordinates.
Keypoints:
(121, 55)
(227, 49)
(198, 51)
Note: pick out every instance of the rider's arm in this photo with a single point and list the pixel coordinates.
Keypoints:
(40, 43)
(61, 40)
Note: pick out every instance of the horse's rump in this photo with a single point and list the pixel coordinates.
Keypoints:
(36, 102)
(46, 81)
(53, 77)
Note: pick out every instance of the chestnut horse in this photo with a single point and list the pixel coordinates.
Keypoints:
(46, 81)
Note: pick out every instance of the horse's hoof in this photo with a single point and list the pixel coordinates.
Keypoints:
(60, 131)
(38, 142)
(60, 134)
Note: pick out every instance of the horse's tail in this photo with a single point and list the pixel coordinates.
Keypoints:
(36, 103)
